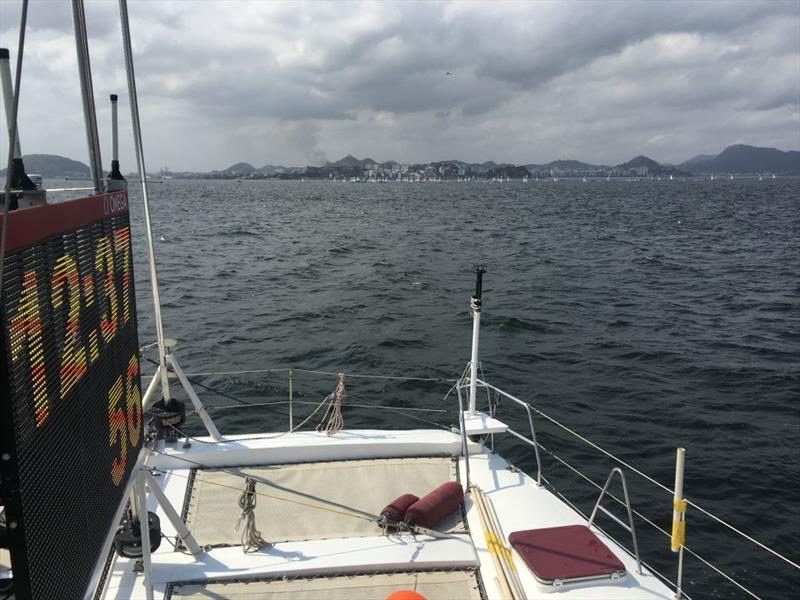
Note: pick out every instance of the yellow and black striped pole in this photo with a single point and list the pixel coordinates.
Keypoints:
(679, 518)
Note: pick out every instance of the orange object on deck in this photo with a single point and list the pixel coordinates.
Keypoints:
(405, 595)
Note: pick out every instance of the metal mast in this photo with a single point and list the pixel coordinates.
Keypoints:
(87, 93)
(12, 137)
(166, 360)
(137, 141)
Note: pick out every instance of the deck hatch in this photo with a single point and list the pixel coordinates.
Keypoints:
(558, 555)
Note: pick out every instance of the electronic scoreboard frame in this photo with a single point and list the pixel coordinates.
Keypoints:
(70, 392)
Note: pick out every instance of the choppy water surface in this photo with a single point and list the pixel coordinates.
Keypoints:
(644, 315)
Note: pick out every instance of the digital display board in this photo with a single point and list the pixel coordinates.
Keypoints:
(70, 411)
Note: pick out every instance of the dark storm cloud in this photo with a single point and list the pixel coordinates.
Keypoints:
(297, 83)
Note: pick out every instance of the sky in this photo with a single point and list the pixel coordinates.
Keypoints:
(297, 84)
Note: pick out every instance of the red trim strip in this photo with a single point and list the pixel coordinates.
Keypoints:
(30, 225)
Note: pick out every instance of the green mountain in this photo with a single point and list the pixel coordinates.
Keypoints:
(54, 166)
(241, 168)
(742, 158)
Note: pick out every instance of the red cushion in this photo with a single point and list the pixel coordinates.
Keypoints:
(565, 553)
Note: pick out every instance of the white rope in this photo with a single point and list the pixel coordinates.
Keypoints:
(251, 537)
(333, 420)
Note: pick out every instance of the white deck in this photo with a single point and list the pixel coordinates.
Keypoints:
(519, 503)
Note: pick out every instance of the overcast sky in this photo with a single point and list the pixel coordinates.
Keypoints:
(303, 83)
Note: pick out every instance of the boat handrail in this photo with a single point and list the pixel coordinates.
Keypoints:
(463, 383)
(645, 476)
(529, 441)
(630, 527)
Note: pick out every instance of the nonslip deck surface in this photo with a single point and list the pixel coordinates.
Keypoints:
(451, 585)
(311, 500)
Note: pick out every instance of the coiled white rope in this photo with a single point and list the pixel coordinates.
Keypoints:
(332, 422)
(251, 537)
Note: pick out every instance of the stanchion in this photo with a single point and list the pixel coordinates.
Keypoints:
(679, 519)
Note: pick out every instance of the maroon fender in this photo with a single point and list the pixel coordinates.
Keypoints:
(435, 506)
(396, 511)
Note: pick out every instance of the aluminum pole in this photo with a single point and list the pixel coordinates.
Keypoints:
(87, 95)
(679, 519)
(116, 181)
(137, 139)
(114, 130)
(12, 139)
(144, 527)
(475, 304)
(8, 101)
(473, 363)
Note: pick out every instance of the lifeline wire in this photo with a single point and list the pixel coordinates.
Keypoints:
(654, 482)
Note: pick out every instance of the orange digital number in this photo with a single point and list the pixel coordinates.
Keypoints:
(124, 426)
(134, 396)
(116, 430)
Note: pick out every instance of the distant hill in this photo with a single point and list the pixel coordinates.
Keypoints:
(347, 161)
(638, 162)
(241, 168)
(272, 169)
(696, 159)
(742, 158)
(572, 164)
(646, 166)
(566, 165)
(52, 165)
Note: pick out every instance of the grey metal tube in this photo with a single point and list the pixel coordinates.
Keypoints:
(8, 101)
(137, 139)
(12, 138)
(87, 94)
(114, 133)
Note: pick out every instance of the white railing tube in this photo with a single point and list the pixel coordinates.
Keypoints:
(679, 518)
(173, 516)
(195, 400)
(473, 363)
(144, 527)
(475, 305)
(152, 388)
